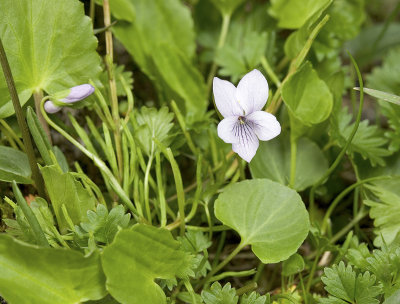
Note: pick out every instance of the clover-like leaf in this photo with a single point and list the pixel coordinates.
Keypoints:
(137, 257)
(30, 274)
(50, 46)
(267, 215)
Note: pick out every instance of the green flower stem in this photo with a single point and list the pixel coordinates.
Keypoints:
(214, 228)
(12, 134)
(260, 269)
(346, 191)
(97, 161)
(113, 86)
(346, 146)
(190, 290)
(293, 155)
(21, 122)
(237, 274)
(312, 271)
(226, 20)
(247, 288)
(221, 265)
(38, 96)
(265, 64)
(178, 184)
(295, 64)
(161, 193)
(30, 216)
(146, 183)
(347, 228)
(182, 124)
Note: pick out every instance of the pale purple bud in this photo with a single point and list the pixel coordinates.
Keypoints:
(71, 95)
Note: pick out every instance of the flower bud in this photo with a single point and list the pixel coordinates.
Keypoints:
(71, 95)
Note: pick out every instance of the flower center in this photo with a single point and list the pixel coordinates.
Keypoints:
(242, 120)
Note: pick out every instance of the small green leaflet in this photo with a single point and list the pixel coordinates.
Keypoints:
(220, 295)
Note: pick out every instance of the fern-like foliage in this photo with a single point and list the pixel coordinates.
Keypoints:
(344, 285)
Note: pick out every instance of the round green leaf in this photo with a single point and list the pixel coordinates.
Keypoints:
(31, 274)
(273, 161)
(268, 216)
(137, 257)
(14, 165)
(307, 96)
(293, 265)
(50, 46)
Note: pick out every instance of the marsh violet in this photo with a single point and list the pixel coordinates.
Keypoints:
(66, 97)
(244, 122)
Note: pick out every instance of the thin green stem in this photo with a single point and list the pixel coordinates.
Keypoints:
(312, 271)
(97, 161)
(346, 191)
(293, 156)
(146, 184)
(189, 288)
(161, 194)
(247, 288)
(30, 216)
(21, 122)
(265, 64)
(348, 142)
(226, 19)
(221, 265)
(347, 228)
(113, 86)
(38, 96)
(13, 135)
(236, 274)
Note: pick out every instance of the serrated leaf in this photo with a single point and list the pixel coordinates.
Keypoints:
(268, 216)
(385, 211)
(31, 274)
(368, 141)
(194, 241)
(153, 123)
(307, 96)
(344, 284)
(254, 298)
(103, 225)
(272, 161)
(52, 50)
(65, 190)
(292, 14)
(220, 295)
(137, 257)
(14, 165)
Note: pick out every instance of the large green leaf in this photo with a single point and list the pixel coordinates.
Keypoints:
(268, 216)
(292, 14)
(307, 96)
(163, 47)
(273, 161)
(49, 44)
(14, 165)
(31, 274)
(65, 190)
(137, 257)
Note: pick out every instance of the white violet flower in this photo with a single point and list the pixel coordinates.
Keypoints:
(244, 122)
(71, 95)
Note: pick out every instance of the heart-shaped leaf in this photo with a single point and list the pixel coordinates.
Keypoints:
(273, 161)
(50, 46)
(268, 216)
(31, 274)
(307, 96)
(137, 257)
